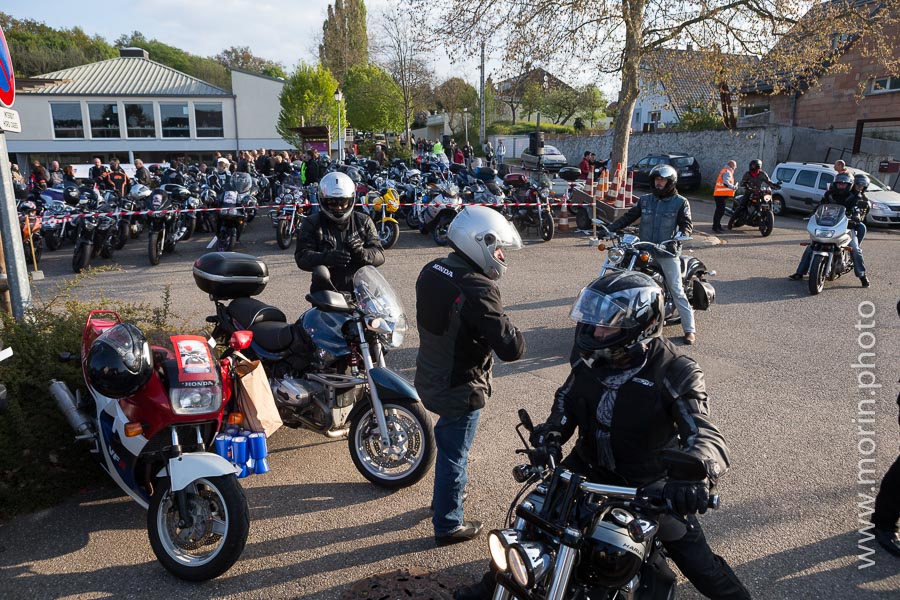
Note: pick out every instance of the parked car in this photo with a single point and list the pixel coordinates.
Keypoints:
(687, 166)
(554, 160)
(803, 184)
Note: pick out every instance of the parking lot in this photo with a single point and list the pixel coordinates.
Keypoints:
(782, 388)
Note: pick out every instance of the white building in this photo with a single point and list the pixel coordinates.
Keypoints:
(132, 107)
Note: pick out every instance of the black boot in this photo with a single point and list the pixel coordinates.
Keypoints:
(864, 280)
(888, 540)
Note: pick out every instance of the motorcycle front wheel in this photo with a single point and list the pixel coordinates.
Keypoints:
(412, 219)
(388, 233)
(220, 522)
(547, 226)
(440, 230)
(123, 235)
(155, 242)
(767, 223)
(54, 242)
(81, 258)
(283, 235)
(226, 239)
(817, 275)
(411, 452)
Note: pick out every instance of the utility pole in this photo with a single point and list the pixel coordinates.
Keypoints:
(13, 251)
(481, 132)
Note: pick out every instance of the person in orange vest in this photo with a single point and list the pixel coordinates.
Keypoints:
(725, 188)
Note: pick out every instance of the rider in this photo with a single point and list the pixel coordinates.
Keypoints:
(630, 396)
(461, 324)
(115, 178)
(752, 181)
(840, 193)
(664, 213)
(860, 185)
(220, 178)
(337, 236)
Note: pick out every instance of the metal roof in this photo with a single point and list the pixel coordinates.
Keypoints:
(126, 76)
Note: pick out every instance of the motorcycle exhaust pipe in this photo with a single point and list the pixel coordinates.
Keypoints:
(65, 401)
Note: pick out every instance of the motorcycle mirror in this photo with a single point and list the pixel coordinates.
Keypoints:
(240, 340)
(525, 419)
(321, 277)
(682, 465)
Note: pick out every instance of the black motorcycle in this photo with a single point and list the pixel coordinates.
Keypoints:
(534, 194)
(286, 219)
(232, 214)
(95, 234)
(571, 539)
(165, 224)
(757, 210)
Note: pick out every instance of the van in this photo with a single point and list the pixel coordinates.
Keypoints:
(803, 184)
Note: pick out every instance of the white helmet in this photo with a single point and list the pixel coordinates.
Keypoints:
(478, 232)
(222, 163)
(337, 196)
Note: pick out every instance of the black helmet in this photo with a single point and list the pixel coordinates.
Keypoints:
(842, 182)
(71, 195)
(628, 304)
(667, 172)
(119, 362)
(755, 164)
(861, 179)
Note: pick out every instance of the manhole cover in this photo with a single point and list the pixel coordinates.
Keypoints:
(402, 584)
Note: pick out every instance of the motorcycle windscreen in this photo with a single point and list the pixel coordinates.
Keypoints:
(829, 215)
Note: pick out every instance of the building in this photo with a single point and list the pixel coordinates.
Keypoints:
(132, 107)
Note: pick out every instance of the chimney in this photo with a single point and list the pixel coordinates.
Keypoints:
(133, 53)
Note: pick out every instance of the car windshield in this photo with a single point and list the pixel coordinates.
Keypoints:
(550, 150)
(683, 161)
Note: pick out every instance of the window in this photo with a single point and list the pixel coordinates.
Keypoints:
(748, 111)
(825, 180)
(784, 174)
(174, 119)
(682, 161)
(67, 121)
(655, 116)
(104, 120)
(807, 178)
(883, 85)
(209, 120)
(139, 122)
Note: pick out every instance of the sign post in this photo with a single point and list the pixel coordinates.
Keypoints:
(13, 250)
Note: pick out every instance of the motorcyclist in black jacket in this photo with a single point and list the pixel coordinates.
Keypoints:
(337, 236)
(752, 181)
(630, 396)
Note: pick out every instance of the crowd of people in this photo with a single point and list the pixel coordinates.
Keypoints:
(463, 155)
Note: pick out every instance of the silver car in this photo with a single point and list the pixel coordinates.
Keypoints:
(554, 160)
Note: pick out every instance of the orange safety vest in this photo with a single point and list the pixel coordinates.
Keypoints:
(721, 189)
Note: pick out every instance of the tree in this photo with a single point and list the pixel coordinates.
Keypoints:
(38, 48)
(240, 57)
(453, 96)
(615, 36)
(345, 41)
(593, 103)
(374, 101)
(401, 52)
(308, 99)
(207, 69)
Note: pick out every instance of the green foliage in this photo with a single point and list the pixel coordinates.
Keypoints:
(374, 100)
(40, 461)
(455, 95)
(308, 97)
(37, 48)
(522, 128)
(699, 119)
(207, 69)
(240, 57)
(345, 40)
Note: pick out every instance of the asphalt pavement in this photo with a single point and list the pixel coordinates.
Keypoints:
(782, 388)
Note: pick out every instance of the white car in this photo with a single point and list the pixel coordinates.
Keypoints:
(803, 184)
(554, 160)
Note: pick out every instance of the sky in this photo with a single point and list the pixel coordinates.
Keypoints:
(286, 31)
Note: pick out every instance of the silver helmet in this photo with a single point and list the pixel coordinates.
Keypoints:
(337, 195)
(480, 233)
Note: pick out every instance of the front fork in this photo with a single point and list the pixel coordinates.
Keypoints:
(377, 407)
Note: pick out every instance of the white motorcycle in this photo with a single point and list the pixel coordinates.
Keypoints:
(830, 236)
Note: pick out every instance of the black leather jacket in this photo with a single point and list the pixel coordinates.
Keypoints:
(461, 322)
(319, 235)
(663, 405)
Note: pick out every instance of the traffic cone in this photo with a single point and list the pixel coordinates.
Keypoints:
(624, 191)
(629, 194)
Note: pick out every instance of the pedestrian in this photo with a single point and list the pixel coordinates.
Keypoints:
(501, 152)
(459, 157)
(724, 190)
(115, 178)
(97, 172)
(840, 166)
(38, 178)
(468, 153)
(16, 174)
(461, 321)
(54, 174)
(141, 173)
(69, 175)
(585, 165)
(664, 213)
(489, 154)
(380, 156)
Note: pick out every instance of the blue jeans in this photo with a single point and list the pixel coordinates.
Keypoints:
(859, 264)
(453, 437)
(671, 268)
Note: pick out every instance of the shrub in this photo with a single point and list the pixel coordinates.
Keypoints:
(522, 128)
(40, 461)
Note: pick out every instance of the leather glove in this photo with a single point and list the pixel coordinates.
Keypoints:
(355, 247)
(337, 258)
(687, 497)
(546, 437)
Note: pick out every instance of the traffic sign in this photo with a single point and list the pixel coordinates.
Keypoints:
(7, 77)
(9, 120)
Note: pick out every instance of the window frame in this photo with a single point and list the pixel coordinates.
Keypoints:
(116, 112)
(80, 118)
(892, 85)
(821, 181)
(162, 121)
(151, 115)
(197, 120)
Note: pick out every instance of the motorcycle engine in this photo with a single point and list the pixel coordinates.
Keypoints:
(298, 393)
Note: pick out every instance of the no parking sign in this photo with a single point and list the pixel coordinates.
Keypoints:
(7, 78)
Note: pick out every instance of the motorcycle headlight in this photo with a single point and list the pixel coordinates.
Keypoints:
(499, 541)
(192, 401)
(545, 193)
(89, 224)
(528, 563)
(825, 233)
(615, 255)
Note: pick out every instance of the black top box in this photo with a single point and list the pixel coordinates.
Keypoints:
(228, 275)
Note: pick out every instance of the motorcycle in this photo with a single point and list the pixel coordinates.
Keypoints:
(830, 234)
(187, 204)
(327, 370)
(95, 234)
(573, 539)
(165, 224)
(153, 441)
(534, 193)
(381, 204)
(130, 225)
(757, 211)
(628, 253)
(286, 220)
(232, 216)
(437, 208)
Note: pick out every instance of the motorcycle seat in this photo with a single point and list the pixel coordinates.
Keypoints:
(250, 311)
(273, 336)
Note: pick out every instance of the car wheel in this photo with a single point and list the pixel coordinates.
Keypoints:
(778, 207)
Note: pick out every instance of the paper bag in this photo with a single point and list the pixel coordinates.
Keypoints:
(255, 398)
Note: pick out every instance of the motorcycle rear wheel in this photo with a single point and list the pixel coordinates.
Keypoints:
(215, 540)
(388, 233)
(412, 450)
(817, 275)
(283, 235)
(767, 223)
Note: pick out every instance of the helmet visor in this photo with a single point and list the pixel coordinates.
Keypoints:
(506, 237)
(623, 309)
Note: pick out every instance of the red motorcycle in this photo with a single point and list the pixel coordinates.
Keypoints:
(150, 417)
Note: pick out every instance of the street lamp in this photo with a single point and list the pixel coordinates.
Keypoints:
(466, 121)
(338, 96)
(544, 85)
